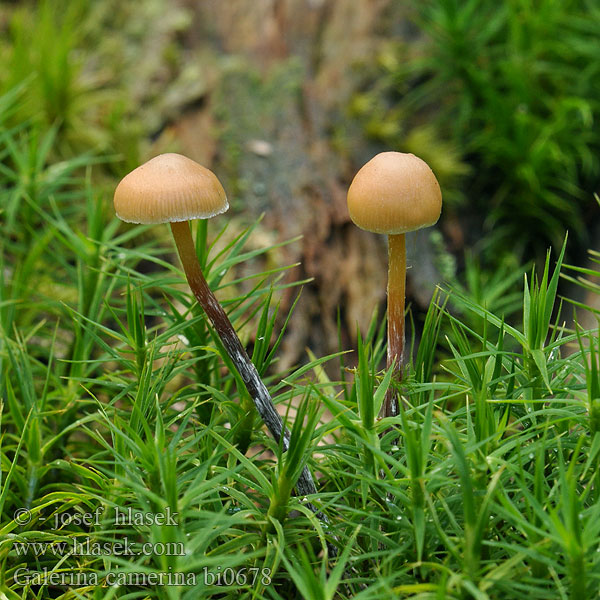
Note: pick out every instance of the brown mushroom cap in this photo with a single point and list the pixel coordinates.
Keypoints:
(394, 193)
(169, 188)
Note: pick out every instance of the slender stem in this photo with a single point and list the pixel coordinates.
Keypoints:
(256, 388)
(254, 384)
(396, 294)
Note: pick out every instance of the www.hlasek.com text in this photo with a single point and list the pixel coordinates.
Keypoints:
(87, 546)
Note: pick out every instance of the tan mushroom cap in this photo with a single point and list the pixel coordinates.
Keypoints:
(169, 188)
(394, 193)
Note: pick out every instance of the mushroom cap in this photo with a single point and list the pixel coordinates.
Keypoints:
(394, 193)
(168, 188)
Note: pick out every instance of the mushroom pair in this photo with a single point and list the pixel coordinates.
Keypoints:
(173, 189)
(395, 193)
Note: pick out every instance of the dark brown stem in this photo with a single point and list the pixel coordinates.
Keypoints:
(254, 384)
(395, 325)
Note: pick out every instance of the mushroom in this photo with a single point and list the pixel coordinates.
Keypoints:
(173, 189)
(395, 193)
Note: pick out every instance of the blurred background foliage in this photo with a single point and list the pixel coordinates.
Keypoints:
(502, 99)
(95, 72)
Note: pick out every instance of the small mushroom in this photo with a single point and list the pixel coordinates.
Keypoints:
(395, 193)
(173, 189)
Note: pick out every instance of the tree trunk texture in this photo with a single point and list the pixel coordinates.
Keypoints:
(279, 77)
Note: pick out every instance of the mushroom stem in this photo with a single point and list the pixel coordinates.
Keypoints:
(255, 386)
(395, 324)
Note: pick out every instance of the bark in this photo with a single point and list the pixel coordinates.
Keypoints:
(274, 125)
